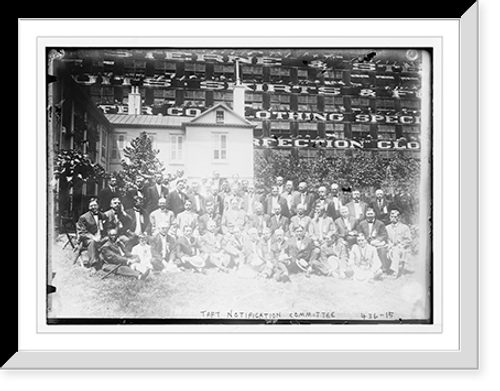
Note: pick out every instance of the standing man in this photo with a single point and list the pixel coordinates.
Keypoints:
(274, 199)
(375, 234)
(155, 192)
(108, 193)
(334, 203)
(280, 184)
(357, 208)
(197, 200)
(381, 207)
(304, 197)
(138, 222)
(289, 196)
(91, 229)
(176, 198)
(138, 189)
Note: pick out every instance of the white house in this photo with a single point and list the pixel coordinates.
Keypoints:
(219, 138)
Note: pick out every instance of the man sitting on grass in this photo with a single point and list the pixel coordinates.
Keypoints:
(364, 260)
(116, 257)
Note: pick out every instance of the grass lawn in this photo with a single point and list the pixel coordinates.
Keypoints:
(228, 296)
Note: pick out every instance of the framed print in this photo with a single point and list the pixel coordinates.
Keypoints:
(252, 201)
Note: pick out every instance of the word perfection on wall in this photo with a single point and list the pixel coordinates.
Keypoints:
(325, 143)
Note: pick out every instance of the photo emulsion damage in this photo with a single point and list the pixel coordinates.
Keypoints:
(230, 185)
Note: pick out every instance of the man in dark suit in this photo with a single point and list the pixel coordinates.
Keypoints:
(300, 249)
(275, 199)
(139, 222)
(346, 227)
(357, 208)
(382, 207)
(108, 193)
(155, 192)
(176, 198)
(118, 218)
(376, 235)
(208, 216)
(216, 199)
(114, 252)
(91, 229)
(139, 188)
(278, 220)
(334, 202)
(304, 197)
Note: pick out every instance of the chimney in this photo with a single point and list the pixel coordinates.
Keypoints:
(239, 93)
(134, 101)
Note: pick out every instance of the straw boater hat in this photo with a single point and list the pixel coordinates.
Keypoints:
(332, 263)
(302, 264)
(196, 261)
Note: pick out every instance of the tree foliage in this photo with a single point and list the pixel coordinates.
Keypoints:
(140, 158)
(365, 171)
(72, 165)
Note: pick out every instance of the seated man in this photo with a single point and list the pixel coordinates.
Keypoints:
(300, 251)
(163, 249)
(233, 245)
(187, 218)
(300, 219)
(116, 256)
(160, 215)
(91, 231)
(278, 220)
(273, 252)
(333, 258)
(375, 234)
(118, 218)
(254, 262)
(188, 251)
(321, 225)
(212, 247)
(234, 215)
(209, 215)
(399, 240)
(364, 260)
(346, 227)
(258, 219)
(143, 252)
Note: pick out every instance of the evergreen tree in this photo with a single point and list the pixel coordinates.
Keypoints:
(140, 158)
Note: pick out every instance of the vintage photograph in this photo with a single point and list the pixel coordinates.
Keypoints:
(239, 185)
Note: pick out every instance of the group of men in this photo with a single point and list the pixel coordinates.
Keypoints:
(229, 227)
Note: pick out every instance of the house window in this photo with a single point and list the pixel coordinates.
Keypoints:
(176, 147)
(118, 145)
(220, 146)
(219, 116)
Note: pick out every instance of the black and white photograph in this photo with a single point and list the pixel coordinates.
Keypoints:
(238, 185)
